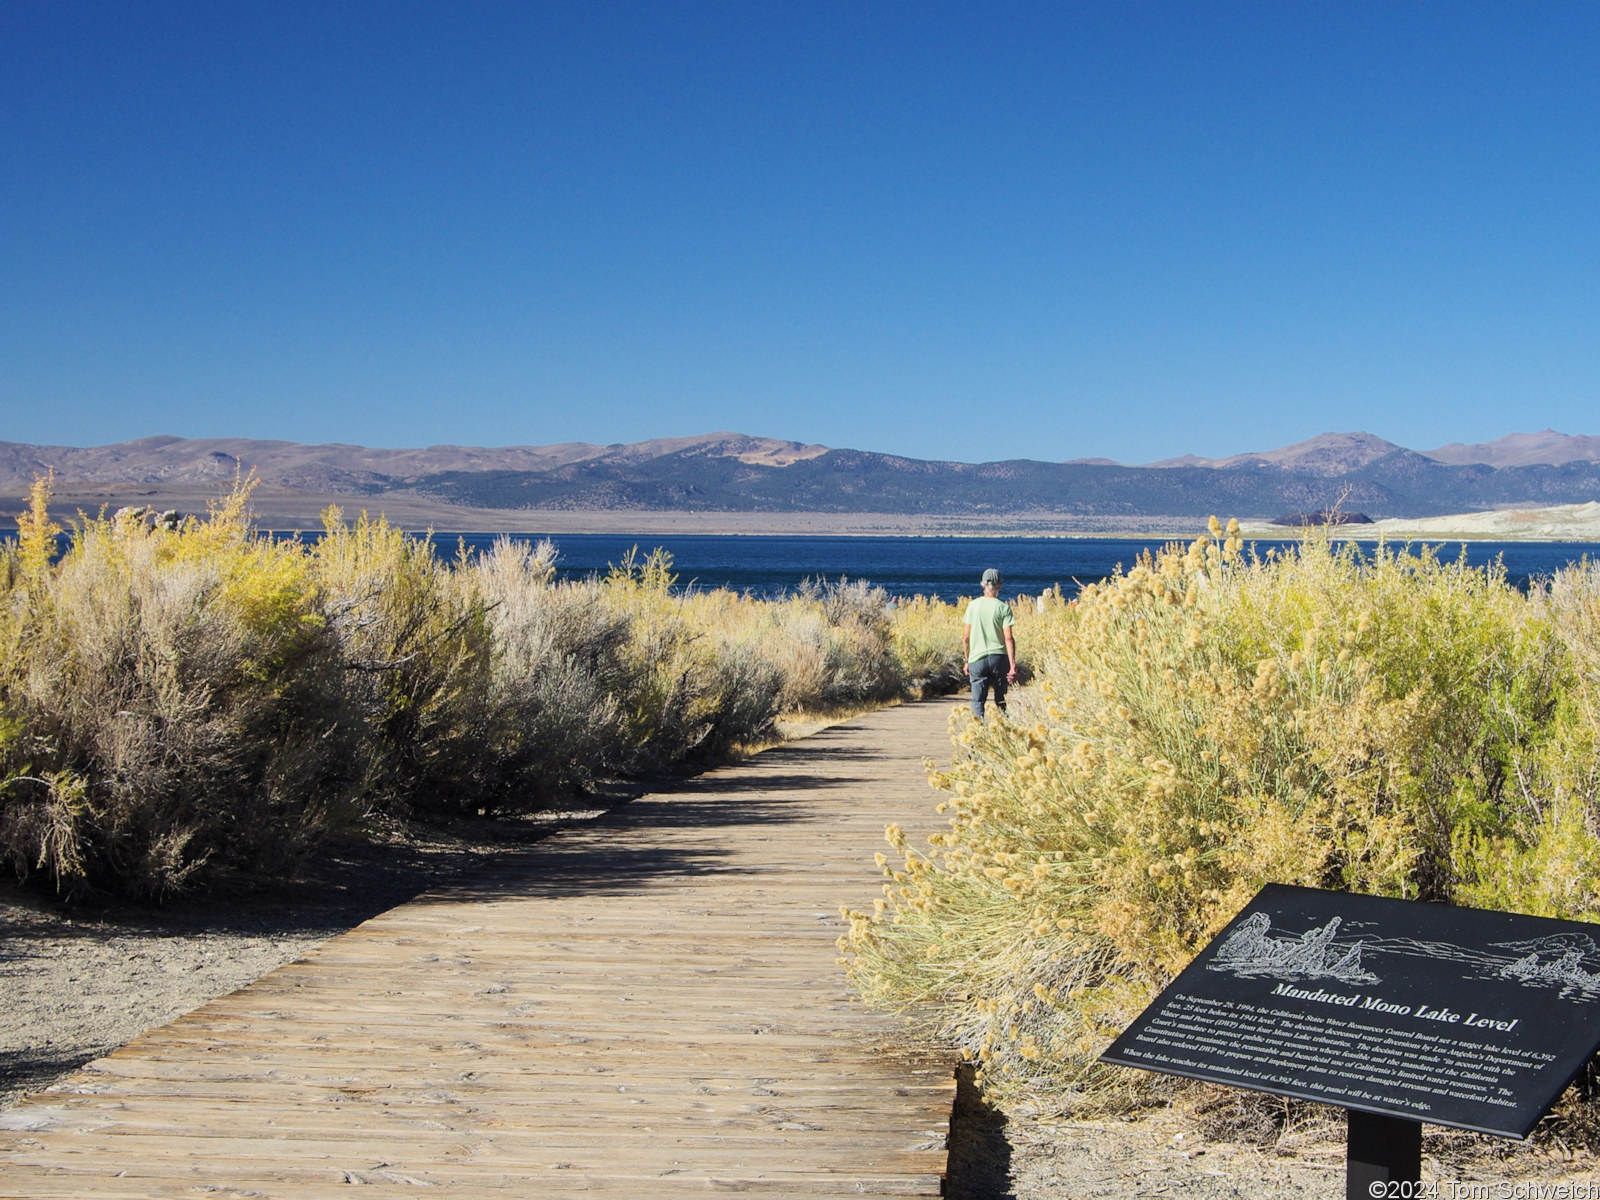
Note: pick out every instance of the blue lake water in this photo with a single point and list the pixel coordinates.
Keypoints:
(932, 566)
(942, 566)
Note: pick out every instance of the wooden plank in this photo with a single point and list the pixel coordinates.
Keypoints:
(645, 1006)
(320, 1185)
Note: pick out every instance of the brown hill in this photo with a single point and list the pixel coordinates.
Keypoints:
(340, 468)
(1325, 454)
(1546, 447)
(734, 480)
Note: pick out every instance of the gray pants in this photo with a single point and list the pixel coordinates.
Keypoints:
(988, 672)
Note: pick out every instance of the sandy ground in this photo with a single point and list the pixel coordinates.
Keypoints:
(76, 984)
(289, 509)
(284, 509)
(1558, 523)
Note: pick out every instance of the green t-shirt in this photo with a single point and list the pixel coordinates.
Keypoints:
(986, 617)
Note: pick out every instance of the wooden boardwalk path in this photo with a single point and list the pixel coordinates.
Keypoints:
(646, 1006)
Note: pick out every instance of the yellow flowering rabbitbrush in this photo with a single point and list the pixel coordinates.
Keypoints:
(177, 703)
(1206, 722)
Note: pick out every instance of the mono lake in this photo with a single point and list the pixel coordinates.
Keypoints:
(949, 567)
(942, 566)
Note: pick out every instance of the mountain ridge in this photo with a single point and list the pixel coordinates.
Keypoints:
(1547, 447)
(338, 465)
(1325, 454)
(735, 472)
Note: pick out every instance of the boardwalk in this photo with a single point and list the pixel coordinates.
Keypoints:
(646, 1006)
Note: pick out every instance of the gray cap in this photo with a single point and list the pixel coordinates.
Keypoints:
(992, 576)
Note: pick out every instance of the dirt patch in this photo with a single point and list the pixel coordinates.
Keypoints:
(1162, 1153)
(1157, 1155)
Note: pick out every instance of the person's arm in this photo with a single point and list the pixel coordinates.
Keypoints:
(966, 646)
(1011, 653)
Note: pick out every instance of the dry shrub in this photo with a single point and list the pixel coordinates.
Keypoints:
(926, 639)
(178, 702)
(559, 670)
(1227, 1114)
(697, 689)
(926, 635)
(415, 644)
(171, 705)
(842, 633)
(1210, 722)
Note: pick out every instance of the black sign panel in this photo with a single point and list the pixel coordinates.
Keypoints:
(1454, 1016)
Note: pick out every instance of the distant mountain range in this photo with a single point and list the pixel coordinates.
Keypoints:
(735, 473)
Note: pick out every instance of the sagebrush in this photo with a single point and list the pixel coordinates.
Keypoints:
(176, 703)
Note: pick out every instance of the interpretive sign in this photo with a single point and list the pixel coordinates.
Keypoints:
(1454, 1016)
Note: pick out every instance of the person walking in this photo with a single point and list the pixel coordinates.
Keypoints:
(989, 645)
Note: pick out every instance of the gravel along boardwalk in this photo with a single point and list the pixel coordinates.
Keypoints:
(645, 1006)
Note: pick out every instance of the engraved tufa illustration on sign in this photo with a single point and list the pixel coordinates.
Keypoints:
(1254, 951)
(1250, 951)
(1564, 970)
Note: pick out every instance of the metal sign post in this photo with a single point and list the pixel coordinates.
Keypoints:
(1380, 1151)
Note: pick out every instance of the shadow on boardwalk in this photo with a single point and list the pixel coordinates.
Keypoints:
(648, 1004)
(82, 979)
(570, 870)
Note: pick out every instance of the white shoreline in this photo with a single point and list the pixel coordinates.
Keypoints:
(1557, 523)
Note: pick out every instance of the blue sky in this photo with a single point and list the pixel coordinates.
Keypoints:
(968, 231)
